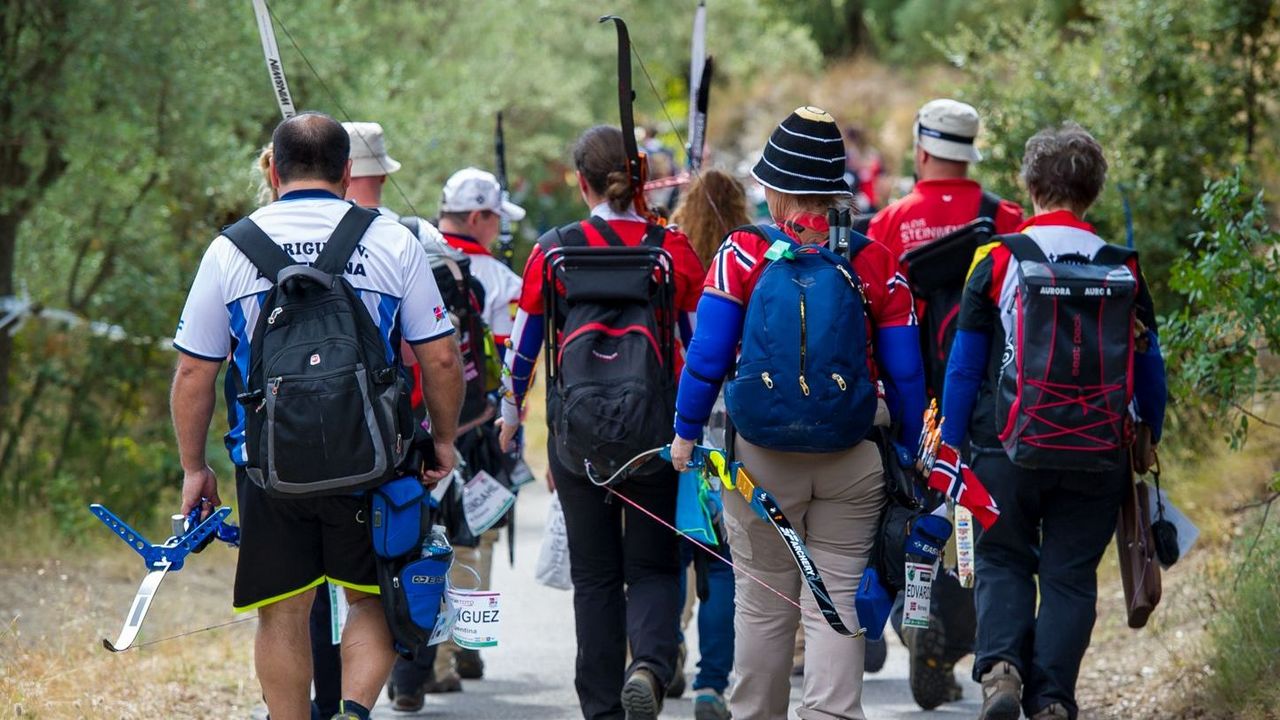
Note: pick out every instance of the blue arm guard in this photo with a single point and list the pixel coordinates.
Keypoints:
(898, 349)
(711, 354)
(965, 368)
(526, 343)
(1150, 388)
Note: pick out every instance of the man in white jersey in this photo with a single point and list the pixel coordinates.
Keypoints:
(289, 547)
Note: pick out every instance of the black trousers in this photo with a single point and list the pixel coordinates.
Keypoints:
(626, 582)
(1054, 527)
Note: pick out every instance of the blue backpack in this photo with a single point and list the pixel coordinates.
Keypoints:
(802, 383)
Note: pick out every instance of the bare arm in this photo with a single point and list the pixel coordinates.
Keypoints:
(191, 403)
(442, 390)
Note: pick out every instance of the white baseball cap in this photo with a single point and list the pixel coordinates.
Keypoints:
(474, 189)
(946, 129)
(368, 150)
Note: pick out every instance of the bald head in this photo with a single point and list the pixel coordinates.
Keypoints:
(310, 147)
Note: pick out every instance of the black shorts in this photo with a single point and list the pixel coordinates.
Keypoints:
(290, 546)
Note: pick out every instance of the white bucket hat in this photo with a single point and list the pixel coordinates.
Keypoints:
(368, 150)
(946, 129)
(474, 189)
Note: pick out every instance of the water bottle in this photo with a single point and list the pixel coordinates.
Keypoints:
(436, 545)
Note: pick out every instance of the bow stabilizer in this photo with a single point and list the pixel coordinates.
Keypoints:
(506, 240)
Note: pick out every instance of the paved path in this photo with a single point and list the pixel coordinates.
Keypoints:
(530, 675)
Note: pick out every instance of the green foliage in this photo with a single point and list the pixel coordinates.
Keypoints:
(909, 31)
(1157, 82)
(1245, 633)
(1226, 337)
(154, 114)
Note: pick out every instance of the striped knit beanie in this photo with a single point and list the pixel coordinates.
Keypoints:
(804, 156)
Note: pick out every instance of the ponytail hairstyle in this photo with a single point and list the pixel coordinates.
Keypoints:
(601, 159)
(266, 193)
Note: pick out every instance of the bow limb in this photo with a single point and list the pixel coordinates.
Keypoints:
(271, 54)
(636, 165)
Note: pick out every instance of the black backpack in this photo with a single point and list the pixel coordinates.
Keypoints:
(463, 296)
(327, 412)
(610, 347)
(936, 273)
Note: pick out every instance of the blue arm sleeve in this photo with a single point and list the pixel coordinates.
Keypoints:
(711, 354)
(1150, 387)
(898, 350)
(526, 344)
(965, 368)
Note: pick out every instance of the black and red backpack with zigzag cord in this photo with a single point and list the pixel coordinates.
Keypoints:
(1065, 379)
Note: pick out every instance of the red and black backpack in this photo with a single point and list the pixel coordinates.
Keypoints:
(610, 336)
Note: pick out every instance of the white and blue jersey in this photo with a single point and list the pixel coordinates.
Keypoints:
(389, 272)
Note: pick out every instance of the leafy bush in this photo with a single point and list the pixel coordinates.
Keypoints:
(1226, 337)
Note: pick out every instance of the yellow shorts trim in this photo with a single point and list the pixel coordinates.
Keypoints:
(282, 596)
(366, 589)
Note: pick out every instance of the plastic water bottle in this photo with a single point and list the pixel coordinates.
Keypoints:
(436, 545)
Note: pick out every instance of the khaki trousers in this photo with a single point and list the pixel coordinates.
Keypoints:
(480, 559)
(834, 502)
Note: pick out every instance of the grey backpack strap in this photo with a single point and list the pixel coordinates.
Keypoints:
(342, 243)
(256, 245)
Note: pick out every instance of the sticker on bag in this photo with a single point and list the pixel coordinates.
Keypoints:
(478, 616)
(484, 502)
(964, 546)
(919, 585)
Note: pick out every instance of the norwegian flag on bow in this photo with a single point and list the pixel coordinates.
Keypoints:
(951, 476)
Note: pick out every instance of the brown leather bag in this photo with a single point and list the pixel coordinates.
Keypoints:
(1139, 569)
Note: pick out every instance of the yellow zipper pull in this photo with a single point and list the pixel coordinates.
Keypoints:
(804, 386)
(839, 381)
(768, 381)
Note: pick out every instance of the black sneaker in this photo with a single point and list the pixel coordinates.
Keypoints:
(469, 664)
(641, 695)
(876, 653)
(677, 686)
(932, 677)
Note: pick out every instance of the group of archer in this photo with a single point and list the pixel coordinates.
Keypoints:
(1036, 337)
(328, 385)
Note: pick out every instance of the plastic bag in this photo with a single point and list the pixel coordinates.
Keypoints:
(553, 559)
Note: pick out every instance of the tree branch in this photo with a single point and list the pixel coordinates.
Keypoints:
(1257, 418)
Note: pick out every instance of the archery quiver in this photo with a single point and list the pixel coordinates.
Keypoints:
(327, 411)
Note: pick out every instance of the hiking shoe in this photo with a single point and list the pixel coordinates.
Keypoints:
(876, 653)
(405, 699)
(709, 705)
(1002, 693)
(1053, 712)
(641, 695)
(676, 688)
(469, 664)
(448, 684)
(932, 678)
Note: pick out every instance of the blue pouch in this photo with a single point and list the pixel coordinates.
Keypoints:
(873, 604)
(693, 514)
(398, 516)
